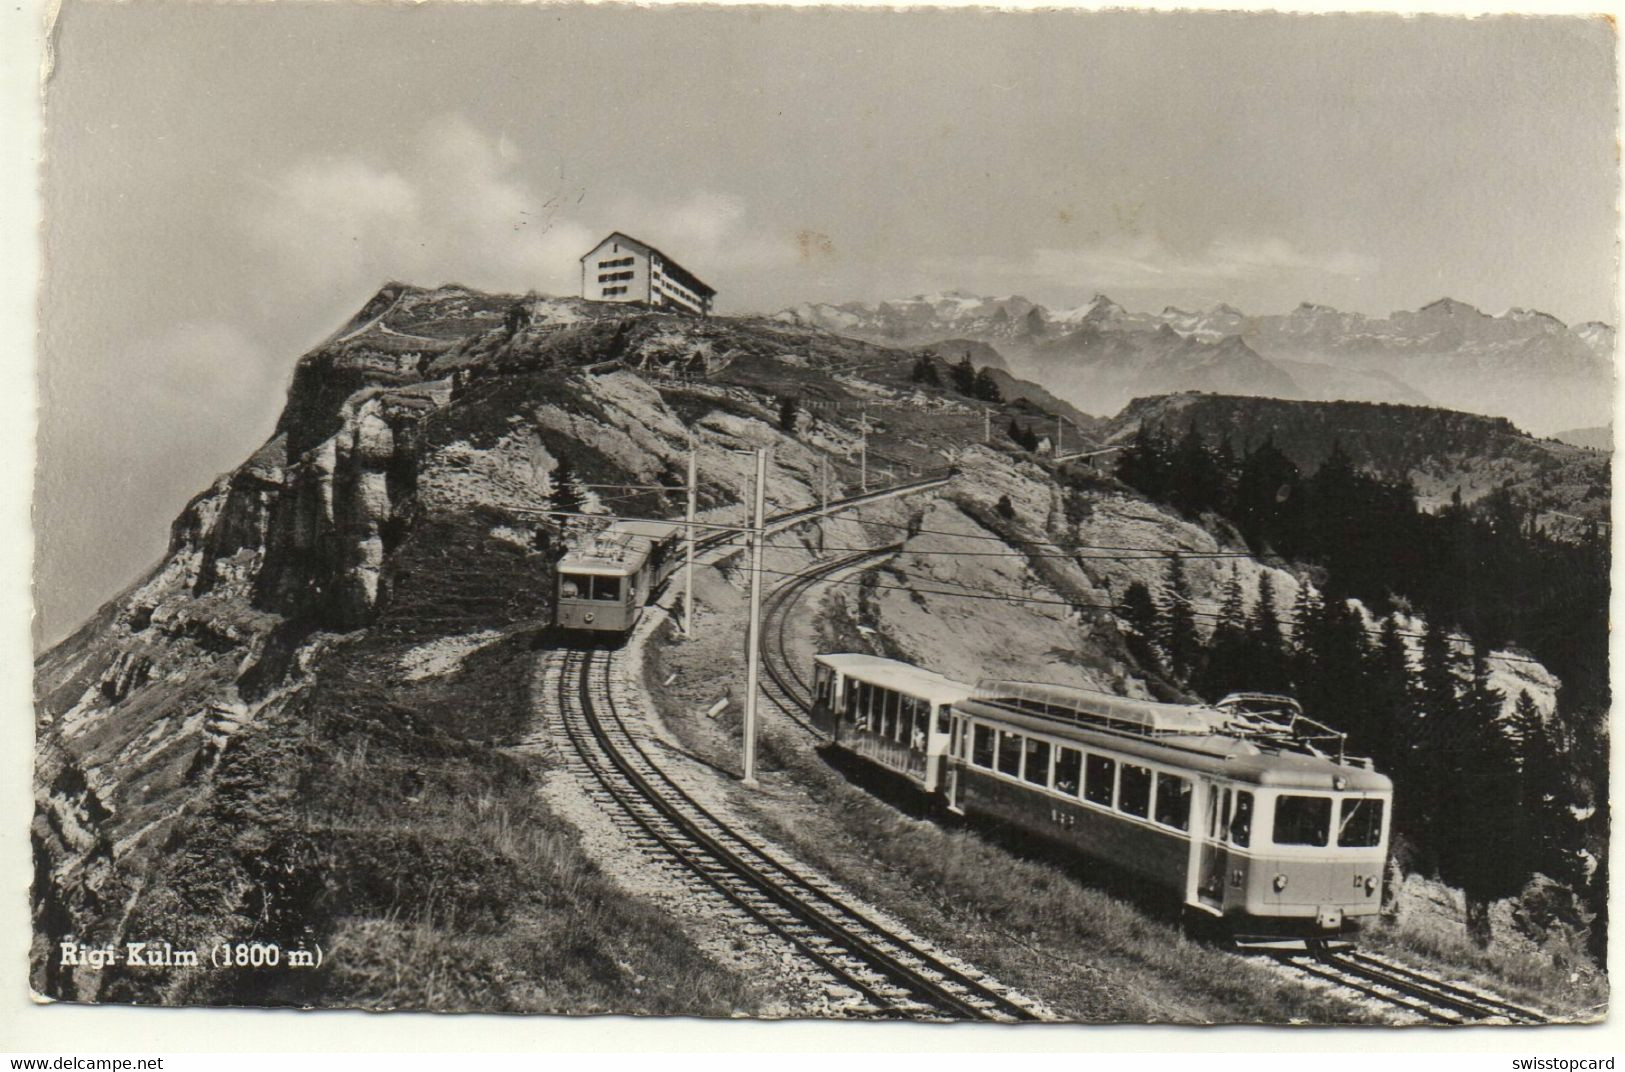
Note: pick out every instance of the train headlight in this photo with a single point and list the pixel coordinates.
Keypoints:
(1370, 885)
(1279, 883)
(587, 617)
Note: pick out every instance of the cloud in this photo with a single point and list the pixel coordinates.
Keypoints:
(1144, 261)
(710, 231)
(459, 205)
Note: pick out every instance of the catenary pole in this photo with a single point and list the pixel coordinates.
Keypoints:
(688, 572)
(753, 652)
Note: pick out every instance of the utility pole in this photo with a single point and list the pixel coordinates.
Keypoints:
(688, 574)
(823, 479)
(753, 652)
(863, 452)
(987, 425)
(1057, 437)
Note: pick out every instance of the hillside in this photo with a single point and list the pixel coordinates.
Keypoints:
(340, 635)
(1523, 364)
(322, 720)
(1439, 450)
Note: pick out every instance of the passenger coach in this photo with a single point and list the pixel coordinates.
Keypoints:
(890, 713)
(1247, 810)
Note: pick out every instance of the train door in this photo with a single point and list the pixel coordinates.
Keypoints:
(958, 727)
(1214, 860)
(823, 712)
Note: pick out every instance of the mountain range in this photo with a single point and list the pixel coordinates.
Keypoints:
(1525, 365)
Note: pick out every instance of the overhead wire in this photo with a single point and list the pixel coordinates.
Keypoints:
(975, 592)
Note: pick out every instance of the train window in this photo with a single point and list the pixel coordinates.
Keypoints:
(822, 676)
(888, 728)
(944, 720)
(1359, 826)
(1068, 770)
(1010, 754)
(569, 586)
(1173, 801)
(1134, 790)
(851, 701)
(607, 589)
(861, 690)
(1037, 770)
(981, 753)
(922, 727)
(1241, 819)
(1302, 820)
(1213, 813)
(1099, 773)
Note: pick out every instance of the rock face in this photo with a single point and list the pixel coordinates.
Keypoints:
(1524, 364)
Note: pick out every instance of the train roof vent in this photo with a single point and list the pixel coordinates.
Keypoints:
(1068, 703)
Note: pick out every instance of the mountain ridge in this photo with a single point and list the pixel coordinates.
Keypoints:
(1523, 364)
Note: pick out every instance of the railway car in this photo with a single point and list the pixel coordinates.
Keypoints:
(891, 713)
(604, 585)
(1248, 811)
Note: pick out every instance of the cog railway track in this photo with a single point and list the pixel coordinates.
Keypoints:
(1405, 988)
(888, 975)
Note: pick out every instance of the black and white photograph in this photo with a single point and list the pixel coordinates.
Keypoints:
(825, 514)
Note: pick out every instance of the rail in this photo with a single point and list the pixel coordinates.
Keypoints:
(892, 974)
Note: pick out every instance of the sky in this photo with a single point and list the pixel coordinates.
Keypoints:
(225, 184)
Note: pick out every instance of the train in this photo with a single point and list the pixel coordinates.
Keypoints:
(604, 585)
(1246, 810)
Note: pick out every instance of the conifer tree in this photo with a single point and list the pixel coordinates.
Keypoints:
(964, 377)
(1267, 499)
(1224, 665)
(1179, 637)
(1437, 712)
(1195, 481)
(565, 493)
(1141, 617)
(1549, 832)
(1306, 621)
(1266, 667)
(1390, 722)
(1481, 820)
(985, 387)
(787, 414)
(1144, 465)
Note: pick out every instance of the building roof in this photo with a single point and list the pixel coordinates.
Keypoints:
(902, 677)
(673, 268)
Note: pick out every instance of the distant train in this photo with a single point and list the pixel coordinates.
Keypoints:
(604, 585)
(1242, 809)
